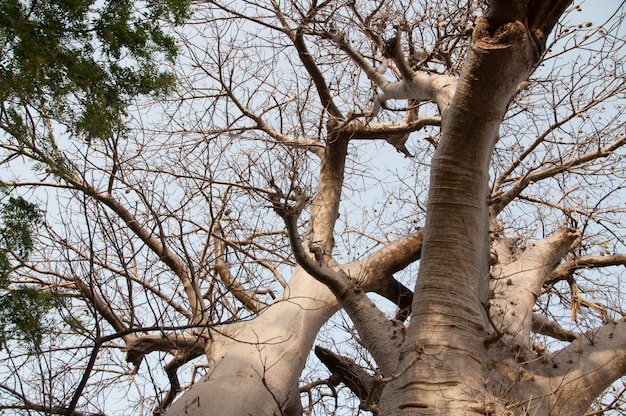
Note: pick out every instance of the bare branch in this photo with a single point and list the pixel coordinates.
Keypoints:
(558, 167)
(316, 75)
(172, 343)
(545, 326)
(518, 285)
(246, 297)
(345, 370)
(582, 370)
(28, 405)
(151, 240)
(420, 87)
(566, 269)
(380, 336)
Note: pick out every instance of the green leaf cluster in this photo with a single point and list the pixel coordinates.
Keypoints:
(81, 62)
(24, 315)
(19, 219)
(23, 309)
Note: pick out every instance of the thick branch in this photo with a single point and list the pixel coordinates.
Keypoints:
(517, 285)
(172, 343)
(393, 257)
(100, 305)
(542, 16)
(325, 203)
(393, 50)
(545, 326)
(375, 272)
(420, 87)
(171, 369)
(380, 336)
(316, 75)
(348, 372)
(386, 131)
(580, 372)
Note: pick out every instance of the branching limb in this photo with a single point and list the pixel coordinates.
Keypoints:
(542, 16)
(394, 133)
(28, 405)
(393, 50)
(374, 269)
(535, 264)
(375, 272)
(385, 131)
(566, 269)
(171, 343)
(310, 144)
(246, 297)
(297, 37)
(316, 75)
(337, 283)
(171, 369)
(585, 368)
(419, 87)
(156, 244)
(521, 183)
(517, 285)
(380, 336)
(100, 305)
(345, 370)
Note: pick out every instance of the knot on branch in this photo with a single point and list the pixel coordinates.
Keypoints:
(335, 35)
(283, 207)
(489, 36)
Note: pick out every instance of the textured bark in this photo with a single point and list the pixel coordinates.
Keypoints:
(564, 382)
(449, 322)
(579, 373)
(517, 286)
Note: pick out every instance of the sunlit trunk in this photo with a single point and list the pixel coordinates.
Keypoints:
(448, 326)
(255, 369)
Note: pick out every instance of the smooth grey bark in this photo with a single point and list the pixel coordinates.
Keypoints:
(265, 356)
(255, 365)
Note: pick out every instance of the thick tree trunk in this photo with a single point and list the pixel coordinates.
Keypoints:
(449, 323)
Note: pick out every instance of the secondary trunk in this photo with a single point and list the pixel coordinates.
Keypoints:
(255, 368)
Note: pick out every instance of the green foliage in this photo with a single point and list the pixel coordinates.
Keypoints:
(75, 65)
(19, 220)
(81, 62)
(23, 314)
(23, 309)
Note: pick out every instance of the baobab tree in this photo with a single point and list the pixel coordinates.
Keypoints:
(447, 177)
